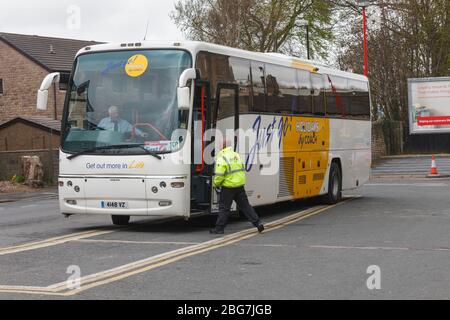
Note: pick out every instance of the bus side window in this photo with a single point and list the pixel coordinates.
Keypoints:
(240, 69)
(258, 87)
(338, 97)
(318, 93)
(360, 102)
(282, 90)
(305, 97)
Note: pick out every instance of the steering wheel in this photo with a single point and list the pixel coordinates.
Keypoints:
(148, 125)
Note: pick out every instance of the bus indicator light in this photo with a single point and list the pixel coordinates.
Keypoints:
(165, 203)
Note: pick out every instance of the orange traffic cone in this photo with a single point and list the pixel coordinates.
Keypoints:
(434, 170)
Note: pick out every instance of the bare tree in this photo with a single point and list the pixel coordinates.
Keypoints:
(257, 25)
(407, 39)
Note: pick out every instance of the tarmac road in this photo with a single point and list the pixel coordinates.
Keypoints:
(309, 251)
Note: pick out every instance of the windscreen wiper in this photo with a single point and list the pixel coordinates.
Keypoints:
(119, 146)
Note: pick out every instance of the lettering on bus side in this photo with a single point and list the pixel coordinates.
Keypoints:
(308, 131)
(280, 126)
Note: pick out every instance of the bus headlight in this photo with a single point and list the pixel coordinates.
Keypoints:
(165, 203)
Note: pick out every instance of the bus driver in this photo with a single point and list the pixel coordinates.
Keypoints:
(115, 123)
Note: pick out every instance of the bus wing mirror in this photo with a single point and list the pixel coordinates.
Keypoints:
(42, 97)
(188, 74)
(183, 98)
(183, 92)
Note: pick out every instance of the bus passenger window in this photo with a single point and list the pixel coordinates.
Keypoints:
(282, 90)
(305, 97)
(318, 93)
(360, 102)
(240, 69)
(259, 90)
(338, 97)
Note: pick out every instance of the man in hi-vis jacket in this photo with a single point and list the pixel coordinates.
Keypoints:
(229, 180)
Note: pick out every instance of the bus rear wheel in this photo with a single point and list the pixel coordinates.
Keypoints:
(334, 185)
(120, 220)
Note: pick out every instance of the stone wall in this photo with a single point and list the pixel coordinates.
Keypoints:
(10, 163)
(387, 139)
(378, 144)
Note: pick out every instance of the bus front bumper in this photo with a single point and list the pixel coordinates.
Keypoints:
(130, 196)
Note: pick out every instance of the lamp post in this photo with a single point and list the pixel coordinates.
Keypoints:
(304, 23)
(364, 4)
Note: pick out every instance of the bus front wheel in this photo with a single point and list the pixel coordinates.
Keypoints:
(120, 220)
(334, 185)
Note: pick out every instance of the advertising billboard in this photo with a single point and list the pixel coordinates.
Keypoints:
(429, 105)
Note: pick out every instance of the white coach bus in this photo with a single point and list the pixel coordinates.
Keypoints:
(137, 116)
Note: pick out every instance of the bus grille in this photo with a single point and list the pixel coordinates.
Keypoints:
(286, 182)
(318, 177)
(302, 180)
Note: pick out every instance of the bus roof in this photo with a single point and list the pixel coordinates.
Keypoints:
(195, 46)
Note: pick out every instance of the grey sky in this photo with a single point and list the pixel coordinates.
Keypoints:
(101, 20)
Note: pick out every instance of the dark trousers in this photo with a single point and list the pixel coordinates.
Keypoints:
(226, 199)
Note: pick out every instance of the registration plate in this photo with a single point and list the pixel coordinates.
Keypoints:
(114, 205)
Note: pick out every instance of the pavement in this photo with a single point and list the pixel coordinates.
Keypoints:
(399, 227)
(415, 166)
(39, 194)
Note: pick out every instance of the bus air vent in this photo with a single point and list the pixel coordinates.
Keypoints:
(318, 177)
(286, 179)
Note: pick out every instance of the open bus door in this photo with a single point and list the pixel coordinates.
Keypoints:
(201, 186)
(226, 117)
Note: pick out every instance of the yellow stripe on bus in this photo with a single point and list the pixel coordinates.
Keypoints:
(308, 143)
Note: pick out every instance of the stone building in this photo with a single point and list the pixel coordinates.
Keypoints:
(24, 62)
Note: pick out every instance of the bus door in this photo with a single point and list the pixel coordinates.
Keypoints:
(226, 118)
(201, 186)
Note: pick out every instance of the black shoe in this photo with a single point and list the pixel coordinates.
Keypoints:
(216, 231)
(261, 228)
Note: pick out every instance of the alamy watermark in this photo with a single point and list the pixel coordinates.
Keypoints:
(374, 281)
(73, 21)
(74, 280)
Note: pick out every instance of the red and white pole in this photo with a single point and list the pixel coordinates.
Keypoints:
(366, 64)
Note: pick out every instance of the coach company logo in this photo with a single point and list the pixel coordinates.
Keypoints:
(132, 165)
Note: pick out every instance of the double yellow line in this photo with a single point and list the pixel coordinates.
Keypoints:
(125, 271)
(53, 241)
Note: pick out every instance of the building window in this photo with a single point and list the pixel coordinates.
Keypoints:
(1, 86)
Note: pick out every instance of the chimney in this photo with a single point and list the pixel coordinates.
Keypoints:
(52, 49)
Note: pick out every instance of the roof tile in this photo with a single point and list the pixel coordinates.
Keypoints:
(56, 54)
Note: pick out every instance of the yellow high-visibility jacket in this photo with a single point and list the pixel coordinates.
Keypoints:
(229, 171)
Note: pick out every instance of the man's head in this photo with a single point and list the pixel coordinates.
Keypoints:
(114, 113)
(223, 142)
